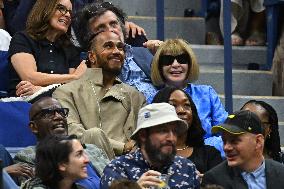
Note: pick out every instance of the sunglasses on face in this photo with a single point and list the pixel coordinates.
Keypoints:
(63, 9)
(49, 113)
(167, 60)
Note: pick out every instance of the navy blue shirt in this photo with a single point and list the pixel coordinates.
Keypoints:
(131, 166)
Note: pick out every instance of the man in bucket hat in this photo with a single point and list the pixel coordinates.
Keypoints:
(245, 167)
(156, 136)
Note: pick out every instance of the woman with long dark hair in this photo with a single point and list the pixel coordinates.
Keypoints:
(191, 144)
(269, 120)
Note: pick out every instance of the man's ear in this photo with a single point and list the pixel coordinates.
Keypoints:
(142, 135)
(33, 127)
(259, 141)
(92, 59)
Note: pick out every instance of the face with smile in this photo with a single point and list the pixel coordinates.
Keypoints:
(241, 150)
(262, 114)
(61, 19)
(182, 105)
(107, 22)
(108, 52)
(49, 119)
(76, 167)
(175, 73)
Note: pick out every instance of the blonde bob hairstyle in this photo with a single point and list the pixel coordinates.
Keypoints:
(174, 47)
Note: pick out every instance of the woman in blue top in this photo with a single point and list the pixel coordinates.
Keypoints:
(175, 64)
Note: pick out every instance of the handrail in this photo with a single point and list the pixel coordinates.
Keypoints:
(227, 56)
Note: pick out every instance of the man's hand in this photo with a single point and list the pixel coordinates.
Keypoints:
(149, 178)
(135, 29)
(128, 146)
(20, 169)
(153, 45)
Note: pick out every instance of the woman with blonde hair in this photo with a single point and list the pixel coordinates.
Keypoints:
(175, 64)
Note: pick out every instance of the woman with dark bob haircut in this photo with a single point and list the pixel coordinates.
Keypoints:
(60, 161)
(191, 144)
(175, 64)
(43, 54)
(269, 120)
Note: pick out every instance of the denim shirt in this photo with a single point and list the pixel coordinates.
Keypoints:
(132, 74)
(131, 166)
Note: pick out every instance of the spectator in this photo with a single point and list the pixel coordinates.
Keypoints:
(48, 118)
(247, 22)
(156, 135)
(14, 170)
(43, 54)
(245, 167)
(125, 184)
(175, 64)
(60, 161)
(269, 121)
(2, 20)
(94, 18)
(100, 102)
(191, 143)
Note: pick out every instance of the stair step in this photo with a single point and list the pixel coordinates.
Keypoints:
(277, 102)
(213, 55)
(245, 82)
(148, 7)
(175, 27)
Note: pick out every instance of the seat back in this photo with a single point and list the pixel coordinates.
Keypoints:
(14, 129)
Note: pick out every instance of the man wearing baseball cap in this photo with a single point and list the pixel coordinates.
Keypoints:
(156, 135)
(245, 167)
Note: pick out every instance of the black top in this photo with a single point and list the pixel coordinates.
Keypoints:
(205, 158)
(50, 57)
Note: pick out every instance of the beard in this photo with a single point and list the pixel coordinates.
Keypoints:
(158, 158)
(104, 65)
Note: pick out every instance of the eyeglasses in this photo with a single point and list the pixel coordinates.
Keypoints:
(167, 60)
(63, 9)
(49, 113)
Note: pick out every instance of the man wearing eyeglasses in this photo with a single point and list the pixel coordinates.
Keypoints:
(99, 102)
(47, 117)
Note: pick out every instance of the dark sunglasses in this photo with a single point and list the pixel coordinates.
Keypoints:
(63, 10)
(167, 60)
(49, 113)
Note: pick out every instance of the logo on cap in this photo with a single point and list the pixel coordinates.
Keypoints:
(147, 115)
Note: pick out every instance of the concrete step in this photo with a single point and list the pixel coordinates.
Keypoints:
(175, 27)
(148, 7)
(276, 102)
(245, 82)
(212, 55)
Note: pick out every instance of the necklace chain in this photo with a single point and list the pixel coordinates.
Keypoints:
(181, 149)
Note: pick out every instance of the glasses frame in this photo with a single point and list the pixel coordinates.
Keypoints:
(167, 60)
(45, 111)
(63, 9)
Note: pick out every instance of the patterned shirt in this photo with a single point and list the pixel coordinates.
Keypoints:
(131, 166)
(132, 74)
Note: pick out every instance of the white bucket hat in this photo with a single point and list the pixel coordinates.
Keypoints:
(156, 114)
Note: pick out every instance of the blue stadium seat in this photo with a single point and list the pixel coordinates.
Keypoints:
(4, 73)
(14, 129)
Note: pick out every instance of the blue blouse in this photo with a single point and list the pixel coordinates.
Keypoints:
(131, 166)
(132, 74)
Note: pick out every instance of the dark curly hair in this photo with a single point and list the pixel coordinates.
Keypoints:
(51, 151)
(272, 143)
(82, 19)
(195, 131)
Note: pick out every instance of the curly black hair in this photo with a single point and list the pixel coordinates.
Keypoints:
(195, 133)
(272, 143)
(90, 11)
